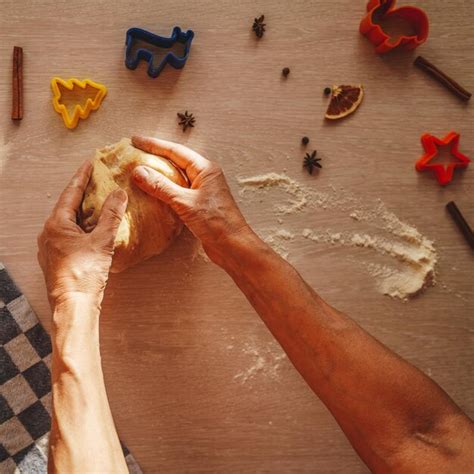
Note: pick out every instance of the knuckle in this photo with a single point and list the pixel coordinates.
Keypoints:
(73, 185)
(77, 184)
(177, 202)
(103, 241)
(114, 215)
(56, 215)
(176, 149)
(74, 182)
(159, 186)
(214, 168)
(49, 226)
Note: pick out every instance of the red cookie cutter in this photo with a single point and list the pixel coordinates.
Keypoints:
(379, 9)
(444, 173)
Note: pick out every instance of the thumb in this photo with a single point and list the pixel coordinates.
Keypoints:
(157, 185)
(112, 212)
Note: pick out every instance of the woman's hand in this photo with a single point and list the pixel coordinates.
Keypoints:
(73, 261)
(207, 208)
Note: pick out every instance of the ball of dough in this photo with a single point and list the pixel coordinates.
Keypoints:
(148, 226)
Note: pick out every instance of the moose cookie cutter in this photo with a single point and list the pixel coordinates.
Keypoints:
(133, 57)
(444, 173)
(79, 111)
(381, 9)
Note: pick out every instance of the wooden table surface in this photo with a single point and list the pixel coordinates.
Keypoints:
(195, 380)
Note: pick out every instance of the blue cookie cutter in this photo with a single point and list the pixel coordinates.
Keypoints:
(177, 36)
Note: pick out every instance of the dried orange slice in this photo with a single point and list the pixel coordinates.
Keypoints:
(344, 101)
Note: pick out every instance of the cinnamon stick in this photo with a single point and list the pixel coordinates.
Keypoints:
(17, 83)
(461, 222)
(442, 78)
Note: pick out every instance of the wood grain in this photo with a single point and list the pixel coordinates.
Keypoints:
(176, 331)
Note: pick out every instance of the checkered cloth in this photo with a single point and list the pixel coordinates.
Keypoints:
(25, 386)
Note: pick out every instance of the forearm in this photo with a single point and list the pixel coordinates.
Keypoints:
(383, 404)
(378, 399)
(83, 435)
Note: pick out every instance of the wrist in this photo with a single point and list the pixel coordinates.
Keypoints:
(76, 310)
(230, 251)
(89, 301)
(75, 330)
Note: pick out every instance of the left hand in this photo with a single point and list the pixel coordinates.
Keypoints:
(75, 262)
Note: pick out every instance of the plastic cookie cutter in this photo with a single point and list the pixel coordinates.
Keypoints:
(383, 9)
(79, 111)
(444, 173)
(133, 56)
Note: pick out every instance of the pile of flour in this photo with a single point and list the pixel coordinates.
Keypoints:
(413, 255)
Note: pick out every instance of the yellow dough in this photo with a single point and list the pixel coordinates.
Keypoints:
(149, 226)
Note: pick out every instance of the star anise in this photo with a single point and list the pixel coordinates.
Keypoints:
(310, 161)
(259, 26)
(186, 120)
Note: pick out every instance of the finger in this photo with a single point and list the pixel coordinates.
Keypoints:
(183, 157)
(157, 185)
(71, 198)
(111, 216)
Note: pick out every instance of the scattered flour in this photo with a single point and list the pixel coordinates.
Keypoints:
(299, 196)
(275, 239)
(284, 234)
(356, 215)
(414, 255)
(267, 362)
(416, 260)
(290, 186)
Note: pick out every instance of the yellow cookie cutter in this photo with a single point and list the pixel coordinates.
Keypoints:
(79, 111)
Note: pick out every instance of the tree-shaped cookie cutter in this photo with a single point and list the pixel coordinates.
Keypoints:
(132, 58)
(380, 9)
(79, 111)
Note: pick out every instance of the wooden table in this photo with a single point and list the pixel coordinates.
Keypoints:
(176, 332)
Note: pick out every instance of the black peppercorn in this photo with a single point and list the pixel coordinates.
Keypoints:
(305, 140)
(285, 71)
(327, 91)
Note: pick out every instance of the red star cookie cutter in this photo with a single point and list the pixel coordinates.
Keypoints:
(382, 9)
(444, 173)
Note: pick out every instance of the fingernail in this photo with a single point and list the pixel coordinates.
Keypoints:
(141, 173)
(120, 194)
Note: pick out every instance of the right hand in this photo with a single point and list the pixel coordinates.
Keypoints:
(207, 208)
